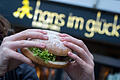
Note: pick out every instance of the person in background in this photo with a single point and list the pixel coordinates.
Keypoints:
(12, 65)
(4, 27)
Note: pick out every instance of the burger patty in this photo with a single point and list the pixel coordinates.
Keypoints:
(62, 58)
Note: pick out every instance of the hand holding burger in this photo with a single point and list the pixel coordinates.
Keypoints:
(82, 68)
(9, 57)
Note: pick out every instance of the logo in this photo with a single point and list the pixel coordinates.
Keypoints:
(24, 10)
(54, 20)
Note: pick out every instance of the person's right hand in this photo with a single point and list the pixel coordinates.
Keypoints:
(9, 57)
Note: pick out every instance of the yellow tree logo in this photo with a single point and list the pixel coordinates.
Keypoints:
(24, 10)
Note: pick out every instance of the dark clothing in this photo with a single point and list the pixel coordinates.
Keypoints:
(23, 72)
(26, 72)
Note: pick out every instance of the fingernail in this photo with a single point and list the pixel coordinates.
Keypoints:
(45, 37)
(62, 39)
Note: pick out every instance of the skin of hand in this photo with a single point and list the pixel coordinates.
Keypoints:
(82, 68)
(9, 57)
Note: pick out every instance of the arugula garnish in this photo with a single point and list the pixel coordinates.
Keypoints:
(43, 54)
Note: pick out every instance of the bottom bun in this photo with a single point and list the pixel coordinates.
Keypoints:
(38, 61)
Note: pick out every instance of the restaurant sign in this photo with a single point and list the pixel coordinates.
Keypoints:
(77, 21)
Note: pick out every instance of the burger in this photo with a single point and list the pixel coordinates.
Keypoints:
(54, 55)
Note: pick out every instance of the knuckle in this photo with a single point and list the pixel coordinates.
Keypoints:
(5, 44)
(81, 50)
(23, 42)
(26, 33)
(39, 35)
(5, 39)
(68, 38)
(33, 43)
(81, 42)
(66, 35)
(5, 51)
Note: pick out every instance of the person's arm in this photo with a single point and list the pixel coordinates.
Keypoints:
(9, 57)
(82, 68)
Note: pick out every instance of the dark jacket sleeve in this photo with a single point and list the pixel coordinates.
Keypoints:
(26, 72)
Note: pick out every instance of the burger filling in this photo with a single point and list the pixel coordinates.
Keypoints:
(46, 56)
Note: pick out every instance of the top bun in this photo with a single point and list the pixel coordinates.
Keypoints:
(53, 44)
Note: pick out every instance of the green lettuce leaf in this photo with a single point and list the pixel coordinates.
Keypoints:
(43, 54)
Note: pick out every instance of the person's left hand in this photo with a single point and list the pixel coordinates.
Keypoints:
(82, 68)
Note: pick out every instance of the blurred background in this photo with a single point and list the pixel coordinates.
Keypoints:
(96, 22)
(106, 5)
